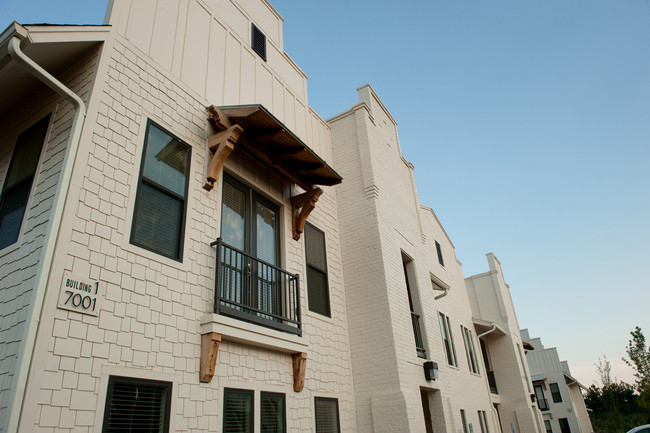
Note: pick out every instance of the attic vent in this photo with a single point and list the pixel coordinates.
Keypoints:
(258, 42)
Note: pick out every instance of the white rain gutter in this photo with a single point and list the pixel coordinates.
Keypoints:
(61, 194)
(494, 328)
(442, 295)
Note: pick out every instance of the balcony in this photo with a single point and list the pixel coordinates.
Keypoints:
(492, 382)
(255, 291)
(419, 346)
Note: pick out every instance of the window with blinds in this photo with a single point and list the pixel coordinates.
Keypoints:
(237, 411)
(159, 217)
(137, 405)
(555, 392)
(317, 285)
(448, 340)
(17, 185)
(327, 415)
(272, 412)
(470, 350)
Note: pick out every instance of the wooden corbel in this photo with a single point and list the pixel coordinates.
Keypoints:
(209, 350)
(221, 144)
(302, 205)
(218, 118)
(299, 366)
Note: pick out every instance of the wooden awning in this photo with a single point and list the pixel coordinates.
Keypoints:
(266, 139)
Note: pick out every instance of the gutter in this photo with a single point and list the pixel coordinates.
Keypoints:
(443, 294)
(19, 34)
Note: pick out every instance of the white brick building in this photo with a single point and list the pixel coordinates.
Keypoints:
(559, 395)
(176, 250)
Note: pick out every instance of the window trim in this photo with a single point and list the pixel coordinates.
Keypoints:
(113, 379)
(28, 178)
(439, 251)
(323, 271)
(463, 419)
(338, 416)
(284, 408)
(153, 184)
(251, 415)
(555, 393)
(445, 330)
(470, 350)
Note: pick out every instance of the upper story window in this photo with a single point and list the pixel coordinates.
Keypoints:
(317, 287)
(555, 392)
(448, 340)
(439, 251)
(160, 204)
(17, 186)
(542, 403)
(409, 276)
(470, 350)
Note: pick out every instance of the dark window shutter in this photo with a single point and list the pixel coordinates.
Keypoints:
(137, 405)
(258, 42)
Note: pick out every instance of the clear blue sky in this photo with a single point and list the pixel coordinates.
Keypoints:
(529, 127)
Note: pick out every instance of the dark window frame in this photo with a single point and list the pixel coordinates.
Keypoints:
(439, 251)
(113, 380)
(153, 184)
(470, 350)
(555, 392)
(40, 127)
(328, 311)
(283, 398)
(448, 340)
(564, 425)
(463, 419)
(327, 400)
(547, 426)
(251, 416)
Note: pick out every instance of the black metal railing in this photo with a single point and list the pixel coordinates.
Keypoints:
(253, 290)
(419, 346)
(492, 382)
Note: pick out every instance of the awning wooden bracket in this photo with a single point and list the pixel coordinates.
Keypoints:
(299, 366)
(209, 350)
(221, 145)
(302, 205)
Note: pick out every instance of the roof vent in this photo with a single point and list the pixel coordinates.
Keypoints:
(258, 42)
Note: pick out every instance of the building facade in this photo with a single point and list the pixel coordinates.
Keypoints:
(185, 245)
(502, 349)
(559, 395)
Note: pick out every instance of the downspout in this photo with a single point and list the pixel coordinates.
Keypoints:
(61, 195)
(494, 327)
(442, 295)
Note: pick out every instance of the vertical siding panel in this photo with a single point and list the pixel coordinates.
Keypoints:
(264, 86)
(195, 57)
(140, 25)
(216, 64)
(164, 33)
(233, 65)
(247, 92)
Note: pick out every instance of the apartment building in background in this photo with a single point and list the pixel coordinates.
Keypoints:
(185, 245)
(502, 348)
(559, 395)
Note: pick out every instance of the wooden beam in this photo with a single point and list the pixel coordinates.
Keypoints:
(299, 366)
(221, 145)
(302, 205)
(218, 118)
(209, 350)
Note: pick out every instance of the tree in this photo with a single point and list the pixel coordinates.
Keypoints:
(639, 359)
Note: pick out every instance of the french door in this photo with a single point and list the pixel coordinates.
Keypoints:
(250, 224)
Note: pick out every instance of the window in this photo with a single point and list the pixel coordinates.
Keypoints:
(272, 412)
(137, 405)
(555, 392)
(463, 420)
(159, 217)
(237, 411)
(547, 425)
(539, 395)
(409, 271)
(327, 415)
(564, 425)
(18, 182)
(470, 350)
(317, 288)
(439, 251)
(448, 340)
(482, 419)
(258, 42)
